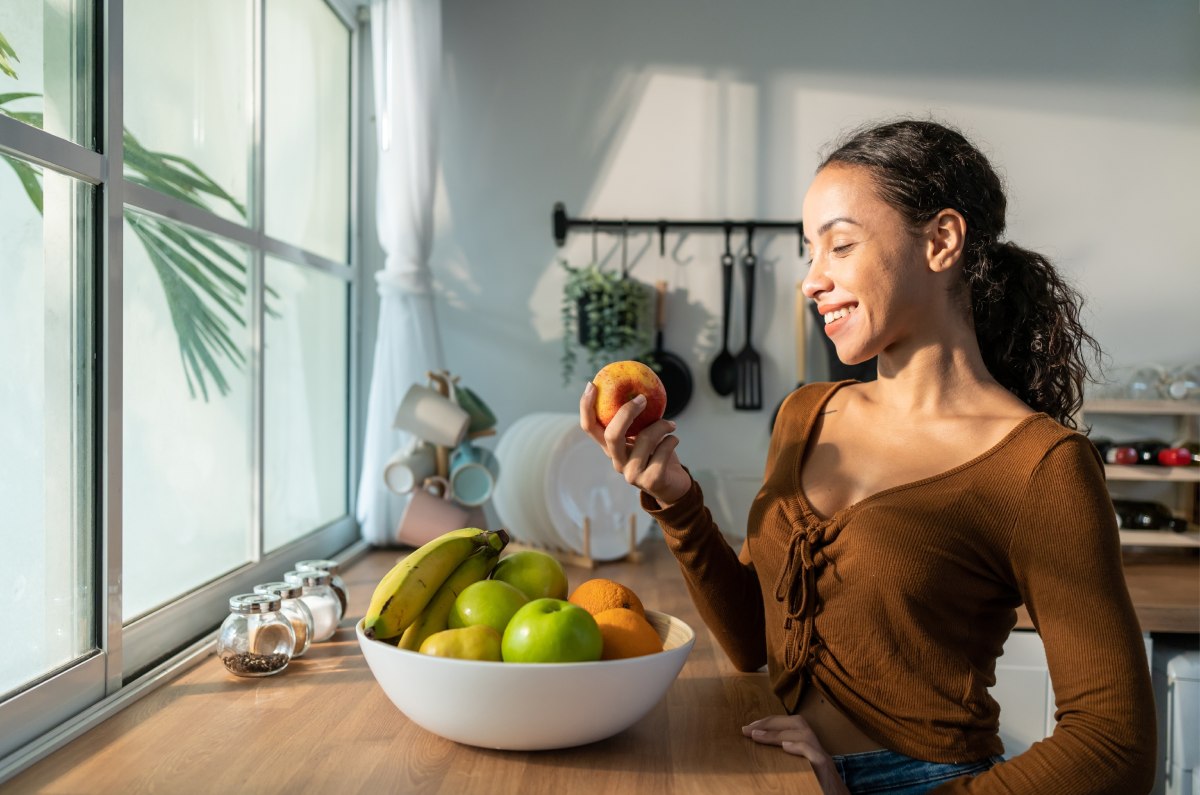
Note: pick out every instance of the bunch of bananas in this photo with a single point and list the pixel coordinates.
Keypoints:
(413, 600)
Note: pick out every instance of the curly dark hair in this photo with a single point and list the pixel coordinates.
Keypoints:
(1026, 316)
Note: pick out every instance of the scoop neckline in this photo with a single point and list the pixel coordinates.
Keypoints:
(811, 421)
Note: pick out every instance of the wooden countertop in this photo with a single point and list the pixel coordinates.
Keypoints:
(1165, 588)
(324, 725)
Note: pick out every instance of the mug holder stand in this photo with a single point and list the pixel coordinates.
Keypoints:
(585, 560)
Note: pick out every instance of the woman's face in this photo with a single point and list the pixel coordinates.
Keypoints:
(867, 272)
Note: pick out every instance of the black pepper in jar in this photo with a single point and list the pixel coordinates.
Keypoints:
(255, 639)
(250, 664)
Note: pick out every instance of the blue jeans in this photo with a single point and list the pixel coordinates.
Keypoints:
(897, 774)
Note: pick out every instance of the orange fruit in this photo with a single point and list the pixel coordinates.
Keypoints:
(626, 634)
(600, 594)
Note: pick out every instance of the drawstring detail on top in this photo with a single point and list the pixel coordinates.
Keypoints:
(795, 586)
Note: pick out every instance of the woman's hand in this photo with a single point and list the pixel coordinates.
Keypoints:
(793, 735)
(648, 461)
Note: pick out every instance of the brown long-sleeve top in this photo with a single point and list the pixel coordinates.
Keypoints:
(896, 607)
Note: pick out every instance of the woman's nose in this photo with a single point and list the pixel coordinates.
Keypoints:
(816, 281)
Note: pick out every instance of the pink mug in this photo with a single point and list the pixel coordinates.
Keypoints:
(430, 513)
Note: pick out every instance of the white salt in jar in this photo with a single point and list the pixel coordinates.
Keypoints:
(294, 610)
(321, 600)
(337, 583)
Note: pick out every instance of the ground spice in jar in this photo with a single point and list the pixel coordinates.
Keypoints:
(271, 638)
(250, 664)
(301, 628)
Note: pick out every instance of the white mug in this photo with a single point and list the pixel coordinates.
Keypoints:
(406, 468)
(428, 415)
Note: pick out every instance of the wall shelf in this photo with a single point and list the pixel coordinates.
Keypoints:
(1160, 407)
(1156, 474)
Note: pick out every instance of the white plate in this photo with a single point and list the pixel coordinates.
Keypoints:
(550, 428)
(507, 499)
(580, 481)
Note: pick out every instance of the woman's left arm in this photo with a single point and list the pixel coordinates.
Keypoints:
(1066, 556)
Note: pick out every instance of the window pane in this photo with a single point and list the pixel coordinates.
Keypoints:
(304, 485)
(45, 50)
(308, 130)
(47, 567)
(188, 75)
(187, 411)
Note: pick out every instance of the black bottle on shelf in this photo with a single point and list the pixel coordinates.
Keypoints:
(1113, 453)
(1146, 515)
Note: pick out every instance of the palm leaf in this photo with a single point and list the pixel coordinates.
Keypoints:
(200, 330)
(31, 180)
(205, 285)
(7, 53)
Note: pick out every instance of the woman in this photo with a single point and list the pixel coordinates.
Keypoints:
(901, 522)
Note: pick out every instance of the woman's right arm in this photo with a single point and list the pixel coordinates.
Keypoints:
(723, 585)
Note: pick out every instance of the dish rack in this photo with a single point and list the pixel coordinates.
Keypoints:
(585, 560)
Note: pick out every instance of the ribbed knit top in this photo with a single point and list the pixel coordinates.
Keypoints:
(896, 607)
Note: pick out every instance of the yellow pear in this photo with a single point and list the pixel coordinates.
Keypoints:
(478, 642)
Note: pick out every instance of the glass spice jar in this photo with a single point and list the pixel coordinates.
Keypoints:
(255, 639)
(337, 583)
(321, 600)
(294, 610)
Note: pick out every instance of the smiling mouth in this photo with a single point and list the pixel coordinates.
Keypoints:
(838, 314)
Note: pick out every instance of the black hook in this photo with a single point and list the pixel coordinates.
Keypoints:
(662, 238)
(624, 249)
(728, 232)
(750, 240)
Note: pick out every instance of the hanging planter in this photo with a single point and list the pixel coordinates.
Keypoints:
(603, 314)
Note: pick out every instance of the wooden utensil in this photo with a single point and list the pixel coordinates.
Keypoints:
(800, 321)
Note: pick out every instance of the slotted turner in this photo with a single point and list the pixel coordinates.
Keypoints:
(748, 394)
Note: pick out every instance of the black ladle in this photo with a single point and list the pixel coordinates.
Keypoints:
(722, 374)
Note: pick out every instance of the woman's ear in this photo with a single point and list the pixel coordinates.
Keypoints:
(946, 235)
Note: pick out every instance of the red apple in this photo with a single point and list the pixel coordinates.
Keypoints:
(620, 382)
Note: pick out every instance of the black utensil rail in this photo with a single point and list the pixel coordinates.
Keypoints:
(563, 223)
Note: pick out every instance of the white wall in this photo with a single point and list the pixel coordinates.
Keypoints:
(1091, 110)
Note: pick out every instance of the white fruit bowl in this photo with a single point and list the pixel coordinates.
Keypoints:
(528, 706)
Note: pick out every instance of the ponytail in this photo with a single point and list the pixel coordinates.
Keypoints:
(1027, 323)
(1026, 316)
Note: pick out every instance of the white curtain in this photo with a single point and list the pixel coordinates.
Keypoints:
(406, 39)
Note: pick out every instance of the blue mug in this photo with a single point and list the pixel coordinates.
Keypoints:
(473, 473)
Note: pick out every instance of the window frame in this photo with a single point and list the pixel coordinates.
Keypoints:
(132, 658)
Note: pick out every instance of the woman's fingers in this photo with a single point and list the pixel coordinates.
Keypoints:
(775, 722)
(793, 734)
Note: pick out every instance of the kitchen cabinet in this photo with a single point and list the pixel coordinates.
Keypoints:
(1025, 693)
(1176, 487)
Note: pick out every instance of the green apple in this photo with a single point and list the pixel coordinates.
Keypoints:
(533, 573)
(551, 631)
(479, 642)
(487, 602)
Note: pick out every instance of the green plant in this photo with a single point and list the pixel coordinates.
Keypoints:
(205, 285)
(603, 314)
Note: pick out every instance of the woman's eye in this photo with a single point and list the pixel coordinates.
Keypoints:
(842, 249)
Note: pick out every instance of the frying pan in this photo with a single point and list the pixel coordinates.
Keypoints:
(672, 371)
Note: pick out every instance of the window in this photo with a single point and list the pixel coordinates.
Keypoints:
(175, 329)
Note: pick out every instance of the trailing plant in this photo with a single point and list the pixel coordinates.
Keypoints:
(205, 286)
(603, 315)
